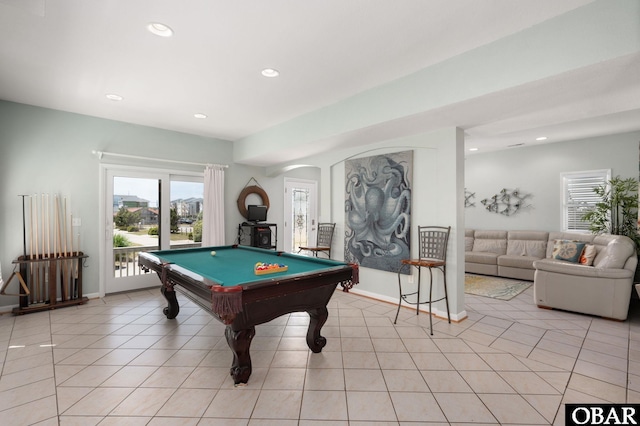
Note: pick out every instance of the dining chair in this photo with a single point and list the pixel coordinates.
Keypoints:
(323, 240)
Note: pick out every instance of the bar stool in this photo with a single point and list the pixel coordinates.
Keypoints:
(433, 255)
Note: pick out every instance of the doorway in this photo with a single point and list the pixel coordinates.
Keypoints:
(146, 210)
(300, 213)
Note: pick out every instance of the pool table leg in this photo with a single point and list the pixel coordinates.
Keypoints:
(239, 342)
(317, 317)
(171, 311)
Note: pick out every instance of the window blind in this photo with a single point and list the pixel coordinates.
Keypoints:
(579, 197)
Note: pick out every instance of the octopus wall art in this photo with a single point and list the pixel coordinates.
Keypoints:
(378, 210)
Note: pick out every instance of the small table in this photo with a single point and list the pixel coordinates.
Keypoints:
(226, 285)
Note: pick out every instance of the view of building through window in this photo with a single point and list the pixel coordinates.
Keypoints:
(136, 208)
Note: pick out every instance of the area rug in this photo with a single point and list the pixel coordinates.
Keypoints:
(494, 287)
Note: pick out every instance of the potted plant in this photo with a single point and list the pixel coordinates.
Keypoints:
(617, 213)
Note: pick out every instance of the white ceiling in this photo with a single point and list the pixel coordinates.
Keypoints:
(68, 54)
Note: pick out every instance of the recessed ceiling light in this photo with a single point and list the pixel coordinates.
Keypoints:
(159, 29)
(473, 149)
(114, 97)
(270, 72)
(200, 115)
(541, 138)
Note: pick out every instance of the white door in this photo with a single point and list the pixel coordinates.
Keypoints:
(300, 213)
(145, 210)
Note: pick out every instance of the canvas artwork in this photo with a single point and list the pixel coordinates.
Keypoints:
(378, 210)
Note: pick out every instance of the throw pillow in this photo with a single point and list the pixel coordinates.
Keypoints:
(567, 250)
(588, 254)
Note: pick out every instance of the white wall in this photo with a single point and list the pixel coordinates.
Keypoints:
(584, 37)
(536, 170)
(47, 151)
(438, 181)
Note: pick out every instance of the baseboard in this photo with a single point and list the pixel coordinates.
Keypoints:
(423, 308)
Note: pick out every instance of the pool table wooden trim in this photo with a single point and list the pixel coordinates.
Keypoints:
(262, 301)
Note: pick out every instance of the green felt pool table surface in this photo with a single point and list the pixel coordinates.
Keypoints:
(234, 265)
(227, 286)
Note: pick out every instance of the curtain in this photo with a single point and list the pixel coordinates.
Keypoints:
(213, 211)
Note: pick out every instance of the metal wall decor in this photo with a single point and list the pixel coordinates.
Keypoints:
(469, 198)
(506, 202)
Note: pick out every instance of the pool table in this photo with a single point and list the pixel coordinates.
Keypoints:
(223, 281)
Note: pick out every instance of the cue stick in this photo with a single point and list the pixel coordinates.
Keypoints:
(75, 283)
(58, 240)
(37, 249)
(65, 264)
(35, 244)
(73, 262)
(37, 282)
(44, 263)
(69, 262)
(40, 225)
(44, 227)
(48, 220)
(24, 249)
(73, 271)
(45, 211)
(31, 288)
(24, 230)
(64, 226)
(55, 222)
(48, 232)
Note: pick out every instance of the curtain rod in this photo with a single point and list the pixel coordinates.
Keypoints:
(100, 154)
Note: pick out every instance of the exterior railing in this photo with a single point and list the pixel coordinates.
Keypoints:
(125, 259)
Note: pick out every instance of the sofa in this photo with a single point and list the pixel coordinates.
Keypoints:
(508, 254)
(602, 288)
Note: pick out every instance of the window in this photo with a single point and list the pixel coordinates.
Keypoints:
(578, 197)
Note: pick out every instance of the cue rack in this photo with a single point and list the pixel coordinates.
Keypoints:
(50, 271)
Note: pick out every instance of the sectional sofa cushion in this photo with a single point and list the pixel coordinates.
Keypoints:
(490, 242)
(468, 239)
(483, 257)
(523, 262)
(573, 271)
(527, 243)
(615, 254)
(526, 248)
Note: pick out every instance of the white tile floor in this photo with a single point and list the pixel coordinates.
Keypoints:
(119, 361)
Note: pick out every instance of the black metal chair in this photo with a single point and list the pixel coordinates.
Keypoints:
(323, 240)
(433, 255)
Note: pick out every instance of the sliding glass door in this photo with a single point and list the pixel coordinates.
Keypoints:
(146, 210)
